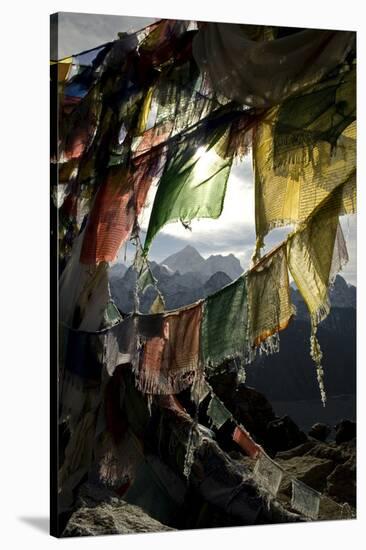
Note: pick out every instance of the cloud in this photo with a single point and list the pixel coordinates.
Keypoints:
(83, 31)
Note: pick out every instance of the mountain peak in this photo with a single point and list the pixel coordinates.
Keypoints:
(187, 259)
(190, 248)
(215, 282)
(342, 294)
(228, 264)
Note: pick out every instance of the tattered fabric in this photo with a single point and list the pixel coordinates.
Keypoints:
(305, 499)
(224, 324)
(84, 295)
(262, 71)
(268, 473)
(76, 394)
(217, 412)
(118, 461)
(78, 454)
(311, 251)
(200, 389)
(315, 255)
(270, 308)
(84, 354)
(322, 113)
(169, 361)
(290, 198)
(243, 439)
(193, 184)
(79, 127)
(111, 219)
(120, 344)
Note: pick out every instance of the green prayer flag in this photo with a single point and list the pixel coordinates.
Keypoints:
(200, 389)
(224, 324)
(218, 413)
(193, 184)
(111, 315)
(145, 280)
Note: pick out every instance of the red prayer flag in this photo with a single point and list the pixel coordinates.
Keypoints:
(243, 439)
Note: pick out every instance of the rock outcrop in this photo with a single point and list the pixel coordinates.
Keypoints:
(320, 431)
(101, 512)
(345, 431)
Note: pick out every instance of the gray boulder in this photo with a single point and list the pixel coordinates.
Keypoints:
(100, 512)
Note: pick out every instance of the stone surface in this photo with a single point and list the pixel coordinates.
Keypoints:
(341, 482)
(308, 469)
(300, 450)
(100, 513)
(332, 451)
(320, 431)
(283, 434)
(345, 431)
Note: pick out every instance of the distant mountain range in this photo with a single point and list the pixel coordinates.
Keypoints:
(183, 278)
(186, 276)
(188, 260)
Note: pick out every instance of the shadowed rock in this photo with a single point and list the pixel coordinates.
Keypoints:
(320, 431)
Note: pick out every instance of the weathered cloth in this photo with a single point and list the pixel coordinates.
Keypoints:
(118, 461)
(243, 439)
(150, 326)
(158, 305)
(169, 361)
(83, 74)
(161, 40)
(171, 403)
(315, 254)
(118, 203)
(262, 71)
(270, 308)
(79, 127)
(220, 483)
(200, 389)
(78, 456)
(111, 219)
(120, 344)
(84, 294)
(76, 394)
(224, 324)
(322, 113)
(84, 354)
(217, 412)
(193, 184)
(305, 499)
(63, 68)
(74, 280)
(292, 197)
(268, 474)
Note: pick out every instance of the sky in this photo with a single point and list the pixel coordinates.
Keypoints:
(234, 231)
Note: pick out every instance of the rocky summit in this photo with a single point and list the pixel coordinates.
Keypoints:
(327, 467)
